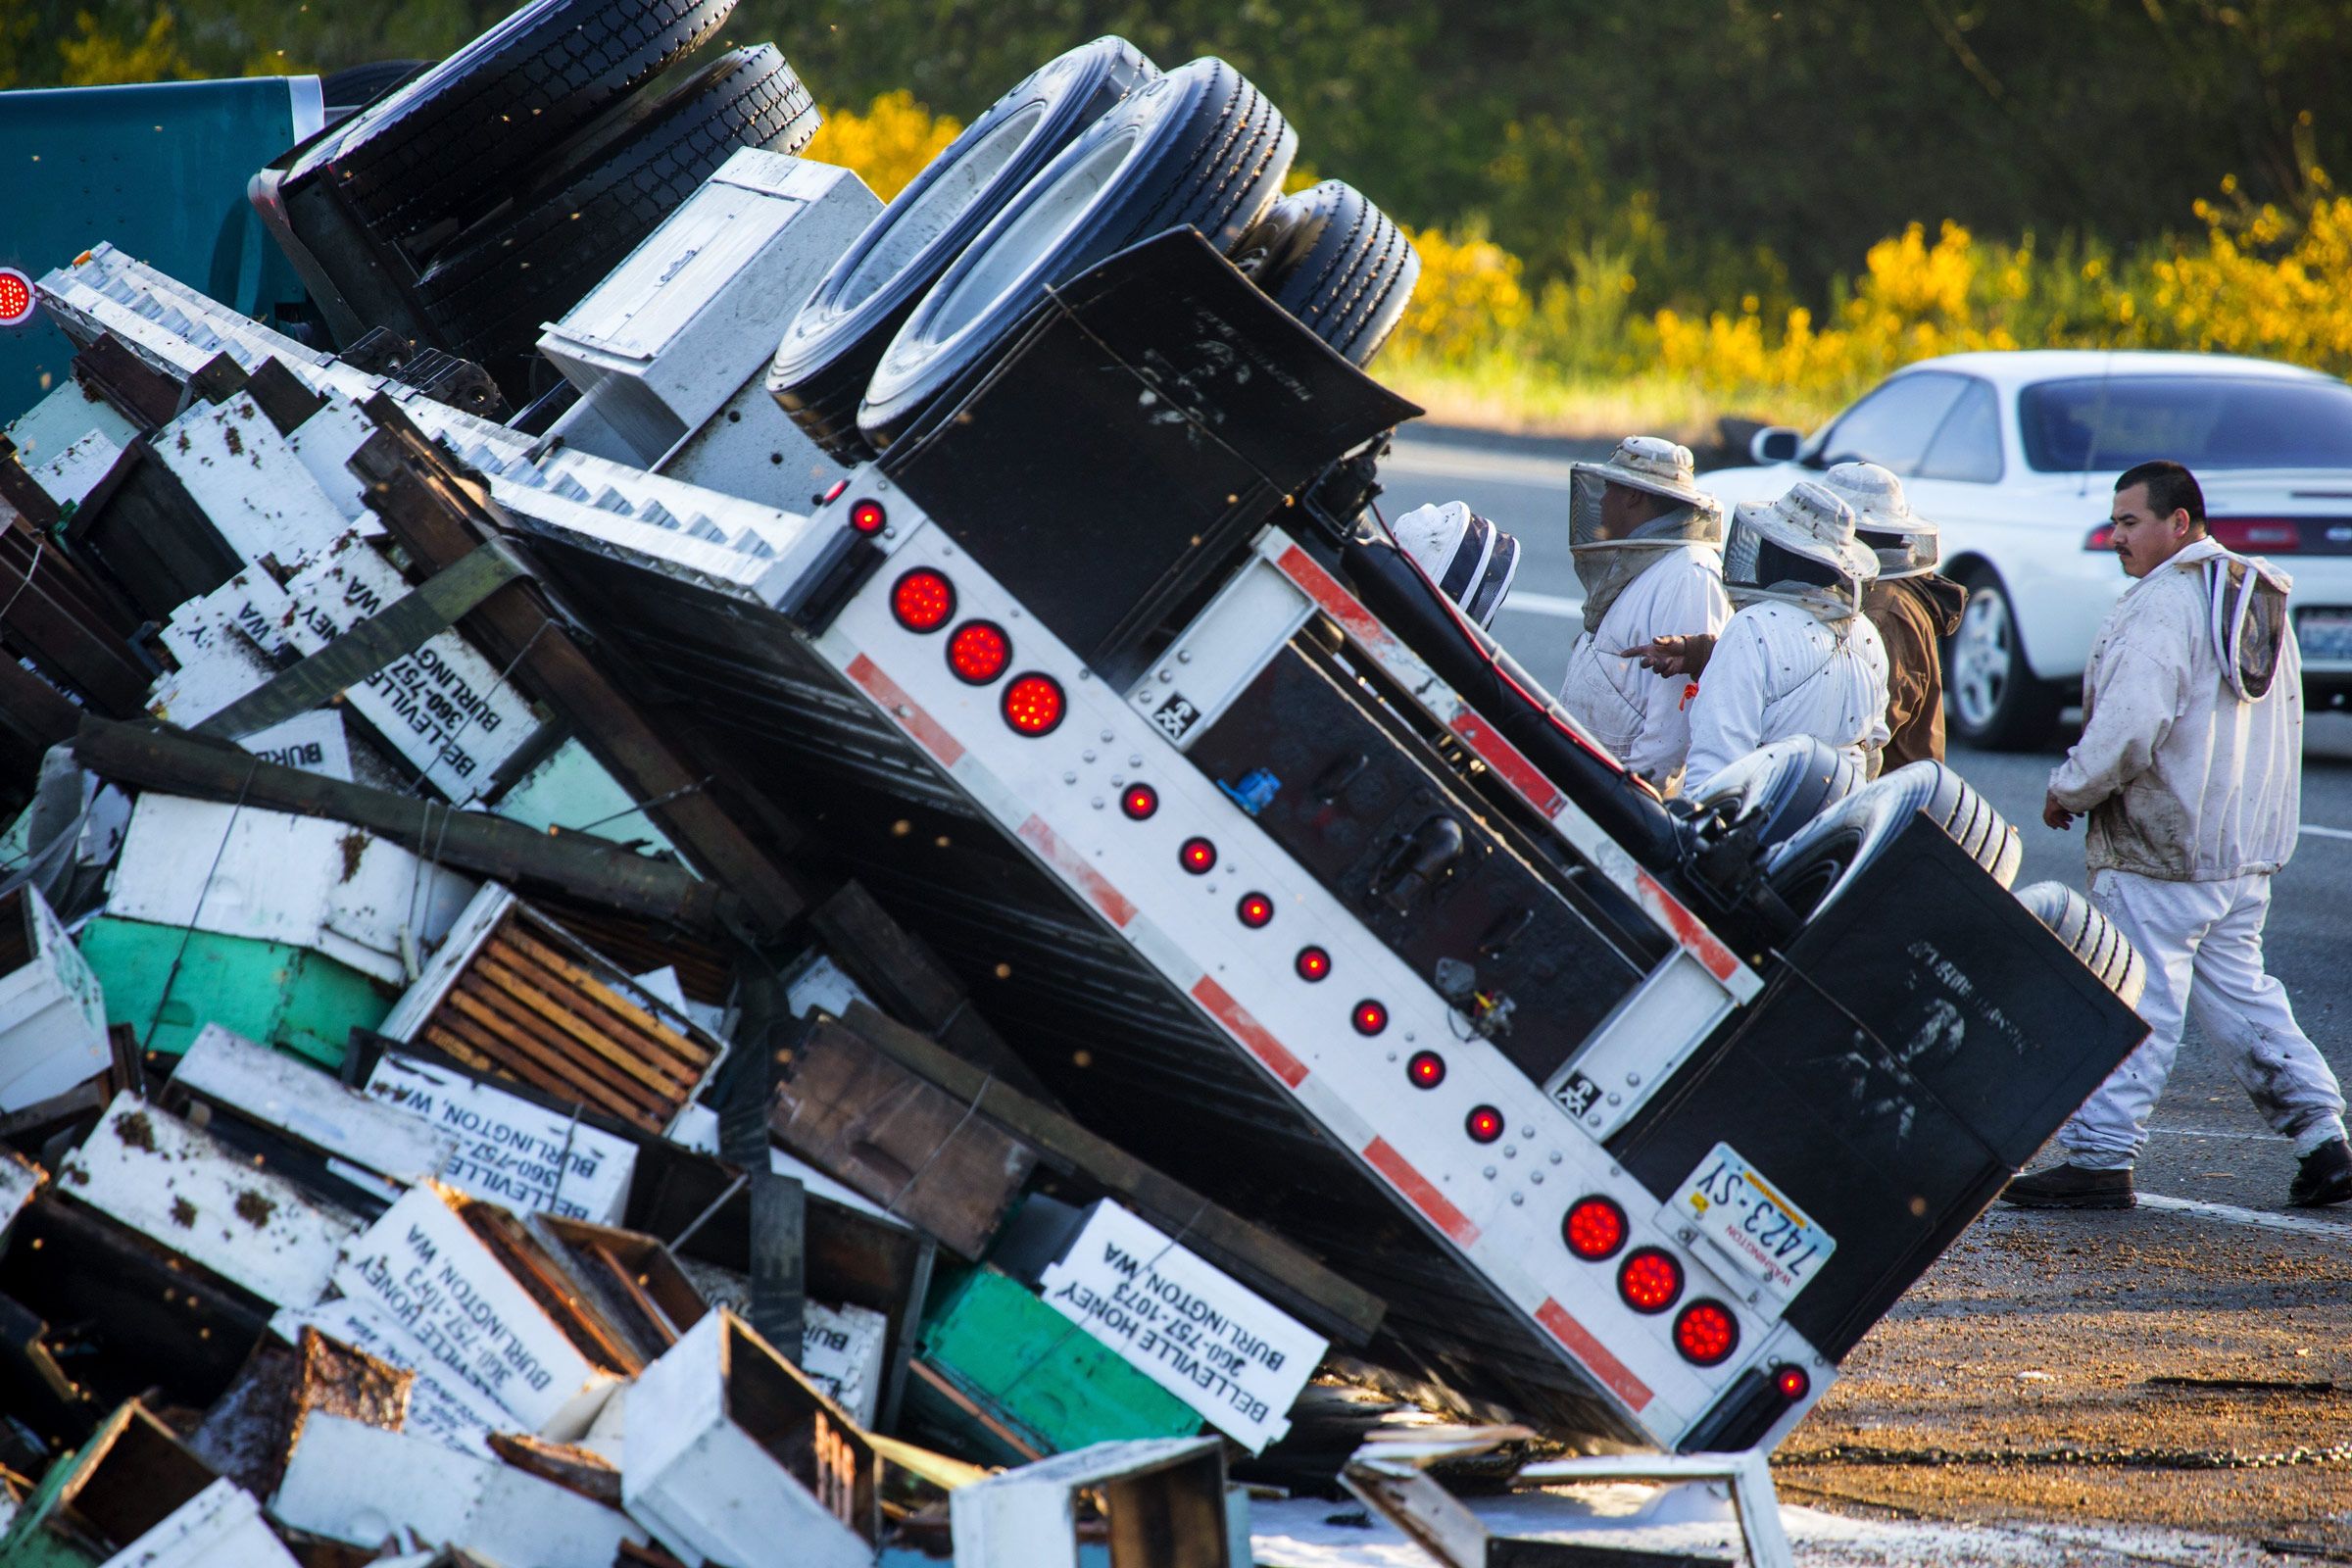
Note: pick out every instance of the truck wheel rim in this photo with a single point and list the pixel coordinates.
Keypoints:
(1981, 658)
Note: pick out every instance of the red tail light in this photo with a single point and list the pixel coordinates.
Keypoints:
(979, 652)
(1034, 704)
(1594, 1228)
(1649, 1280)
(2101, 538)
(1485, 1125)
(2257, 536)
(867, 516)
(1254, 911)
(1312, 963)
(924, 600)
(15, 296)
(1198, 855)
(833, 493)
(1706, 1333)
(1370, 1017)
(1427, 1069)
(1792, 1383)
(1139, 802)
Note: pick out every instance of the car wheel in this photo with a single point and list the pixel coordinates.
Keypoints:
(1337, 263)
(489, 293)
(463, 133)
(834, 342)
(1996, 702)
(2090, 936)
(1818, 863)
(1198, 148)
(1783, 785)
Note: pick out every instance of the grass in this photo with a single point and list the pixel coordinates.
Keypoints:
(1498, 391)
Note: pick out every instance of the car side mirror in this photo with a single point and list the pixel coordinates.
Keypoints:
(1776, 443)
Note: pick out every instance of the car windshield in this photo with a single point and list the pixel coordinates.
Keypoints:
(2206, 421)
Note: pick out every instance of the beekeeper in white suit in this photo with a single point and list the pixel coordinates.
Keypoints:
(1646, 543)
(1798, 656)
(1470, 559)
(2190, 767)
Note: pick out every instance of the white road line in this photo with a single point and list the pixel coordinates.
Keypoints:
(2319, 832)
(1563, 608)
(2256, 1219)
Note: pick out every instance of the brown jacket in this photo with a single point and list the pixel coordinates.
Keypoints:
(1911, 614)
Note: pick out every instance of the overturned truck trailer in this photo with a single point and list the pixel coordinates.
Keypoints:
(1283, 876)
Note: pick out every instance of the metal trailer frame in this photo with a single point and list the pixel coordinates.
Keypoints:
(1122, 974)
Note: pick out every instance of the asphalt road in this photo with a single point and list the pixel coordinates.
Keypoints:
(2212, 1146)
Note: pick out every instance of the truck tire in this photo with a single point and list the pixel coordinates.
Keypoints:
(1336, 262)
(483, 120)
(346, 92)
(1789, 782)
(2090, 936)
(832, 345)
(488, 295)
(1198, 147)
(1812, 867)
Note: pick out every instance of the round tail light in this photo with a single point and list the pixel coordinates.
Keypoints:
(1426, 1069)
(1483, 1124)
(1706, 1333)
(1649, 1280)
(978, 652)
(1034, 704)
(1198, 855)
(1594, 1228)
(1312, 965)
(1370, 1017)
(1254, 911)
(924, 600)
(1792, 1383)
(15, 296)
(867, 516)
(1139, 802)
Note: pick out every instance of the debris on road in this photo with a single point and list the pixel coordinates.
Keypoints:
(599, 987)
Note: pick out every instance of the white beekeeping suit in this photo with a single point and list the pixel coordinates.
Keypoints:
(1798, 657)
(1645, 540)
(2190, 767)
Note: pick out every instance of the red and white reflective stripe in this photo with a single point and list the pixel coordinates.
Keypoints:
(1579, 1341)
(1108, 901)
(928, 732)
(1507, 762)
(1421, 1193)
(1255, 1036)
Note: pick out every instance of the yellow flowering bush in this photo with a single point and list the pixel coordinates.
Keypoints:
(887, 145)
(2267, 284)
(1469, 298)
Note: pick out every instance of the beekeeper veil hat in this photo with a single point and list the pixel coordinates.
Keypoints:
(1649, 463)
(1907, 544)
(1470, 559)
(1799, 549)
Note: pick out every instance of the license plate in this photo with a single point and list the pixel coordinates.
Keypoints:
(1754, 1224)
(2325, 633)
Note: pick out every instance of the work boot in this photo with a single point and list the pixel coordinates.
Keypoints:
(2072, 1187)
(2324, 1177)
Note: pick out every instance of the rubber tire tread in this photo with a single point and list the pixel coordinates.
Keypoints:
(2090, 936)
(489, 298)
(828, 355)
(1218, 174)
(1790, 781)
(481, 120)
(1337, 263)
(1842, 840)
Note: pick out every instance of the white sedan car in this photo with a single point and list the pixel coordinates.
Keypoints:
(2015, 455)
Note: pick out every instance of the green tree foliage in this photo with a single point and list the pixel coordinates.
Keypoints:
(1701, 147)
